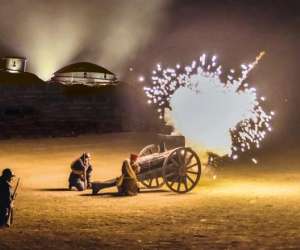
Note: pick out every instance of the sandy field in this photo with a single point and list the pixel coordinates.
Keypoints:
(247, 207)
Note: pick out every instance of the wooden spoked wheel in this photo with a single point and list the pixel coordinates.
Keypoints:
(182, 170)
(149, 150)
(151, 183)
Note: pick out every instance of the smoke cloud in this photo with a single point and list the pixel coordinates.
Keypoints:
(53, 34)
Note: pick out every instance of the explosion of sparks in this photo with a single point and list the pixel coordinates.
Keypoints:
(226, 117)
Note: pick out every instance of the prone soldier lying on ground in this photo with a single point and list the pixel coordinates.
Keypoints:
(127, 183)
(80, 176)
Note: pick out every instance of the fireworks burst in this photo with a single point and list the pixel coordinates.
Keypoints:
(224, 116)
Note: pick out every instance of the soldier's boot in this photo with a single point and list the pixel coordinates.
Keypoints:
(97, 186)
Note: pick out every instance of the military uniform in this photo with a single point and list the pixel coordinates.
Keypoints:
(127, 183)
(81, 174)
(6, 197)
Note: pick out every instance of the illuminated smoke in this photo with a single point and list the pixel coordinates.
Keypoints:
(52, 34)
(225, 117)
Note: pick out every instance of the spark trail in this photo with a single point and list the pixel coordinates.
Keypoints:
(226, 117)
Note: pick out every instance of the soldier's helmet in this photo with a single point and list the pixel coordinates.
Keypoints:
(7, 173)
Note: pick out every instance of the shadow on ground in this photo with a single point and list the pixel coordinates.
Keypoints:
(116, 194)
(53, 189)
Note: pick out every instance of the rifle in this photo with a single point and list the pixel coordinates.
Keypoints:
(9, 218)
(83, 173)
(84, 177)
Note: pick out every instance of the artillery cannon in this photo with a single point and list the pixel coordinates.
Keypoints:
(178, 168)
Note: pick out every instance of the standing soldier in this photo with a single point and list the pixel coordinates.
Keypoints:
(6, 198)
(80, 176)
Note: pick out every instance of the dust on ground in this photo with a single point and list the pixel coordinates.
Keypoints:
(246, 207)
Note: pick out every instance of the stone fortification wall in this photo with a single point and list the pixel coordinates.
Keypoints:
(30, 107)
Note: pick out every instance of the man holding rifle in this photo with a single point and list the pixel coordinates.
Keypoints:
(7, 196)
(80, 176)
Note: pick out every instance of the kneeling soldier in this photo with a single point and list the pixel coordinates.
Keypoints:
(80, 176)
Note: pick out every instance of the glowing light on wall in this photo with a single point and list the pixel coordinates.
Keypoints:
(76, 31)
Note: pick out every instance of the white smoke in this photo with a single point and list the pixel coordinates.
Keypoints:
(207, 115)
(222, 117)
(52, 34)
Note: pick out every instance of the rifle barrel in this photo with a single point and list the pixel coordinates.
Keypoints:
(16, 188)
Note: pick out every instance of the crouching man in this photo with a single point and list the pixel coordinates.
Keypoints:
(127, 183)
(80, 176)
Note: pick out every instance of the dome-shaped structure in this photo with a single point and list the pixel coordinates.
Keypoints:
(85, 73)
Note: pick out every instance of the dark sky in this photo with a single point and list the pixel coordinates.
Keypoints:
(139, 33)
(237, 31)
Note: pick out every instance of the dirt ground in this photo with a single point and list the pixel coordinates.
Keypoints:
(246, 207)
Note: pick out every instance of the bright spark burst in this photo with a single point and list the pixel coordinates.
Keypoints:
(224, 116)
(141, 79)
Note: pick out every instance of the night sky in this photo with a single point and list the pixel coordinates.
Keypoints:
(236, 32)
(138, 34)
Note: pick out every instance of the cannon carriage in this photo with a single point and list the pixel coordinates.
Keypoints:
(179, 168)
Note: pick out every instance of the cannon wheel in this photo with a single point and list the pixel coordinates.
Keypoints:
(182, 170)
(149, 150)
(151, 182)
(157, 182)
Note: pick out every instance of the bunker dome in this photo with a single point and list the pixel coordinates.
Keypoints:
(85, 73)
(13, 73)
